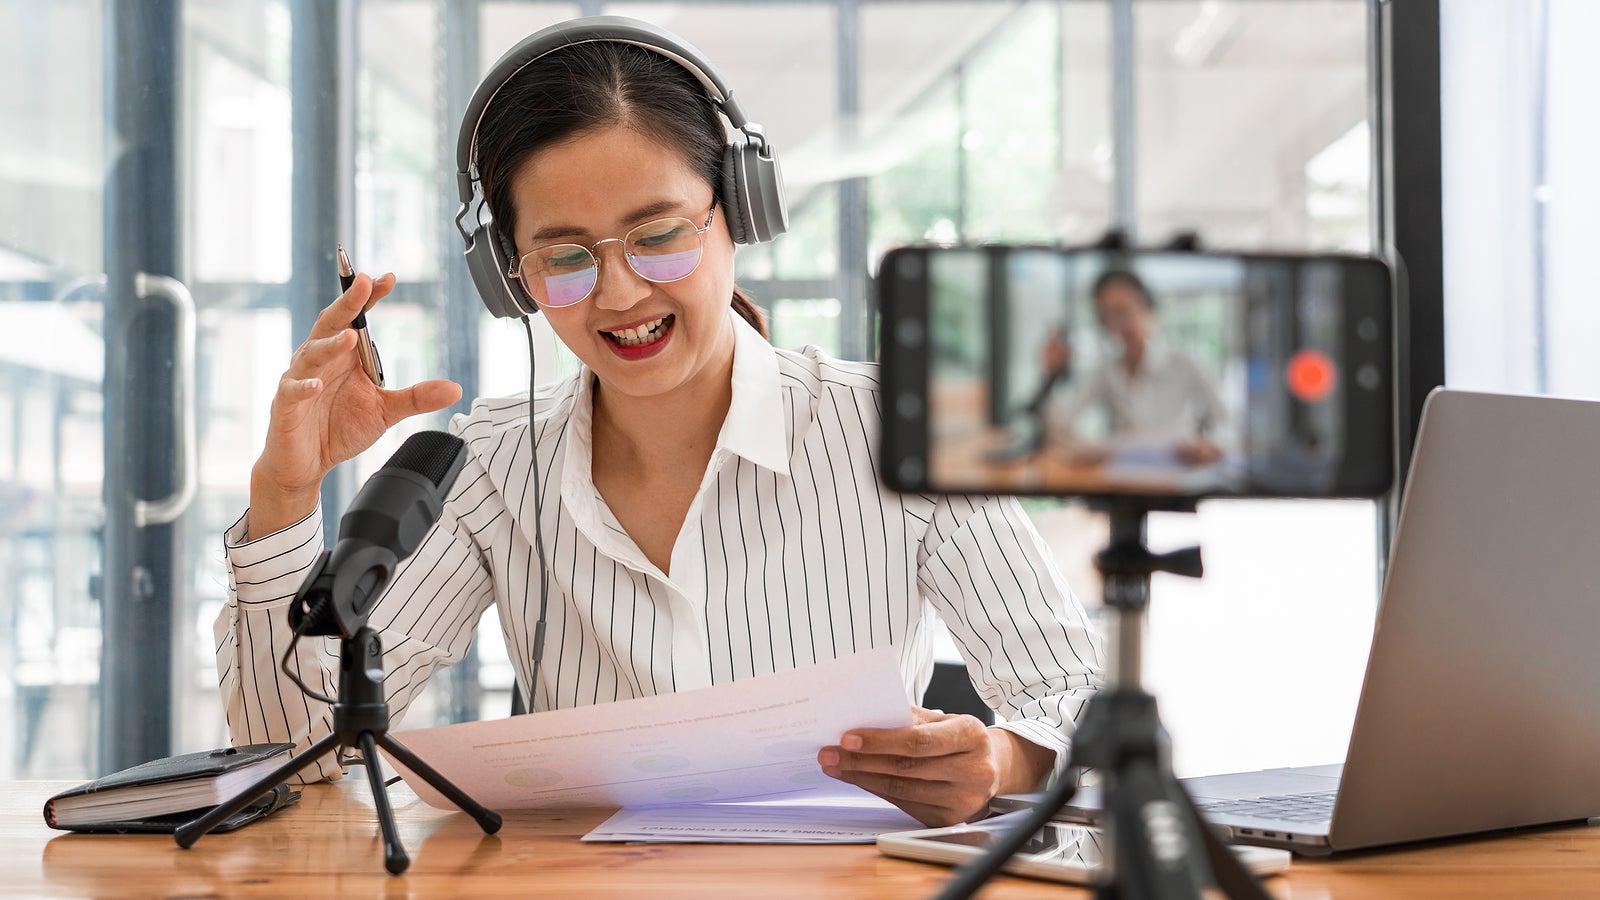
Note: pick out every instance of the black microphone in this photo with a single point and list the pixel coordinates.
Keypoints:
(385, 523)
(1035, 406)
(1059, 374)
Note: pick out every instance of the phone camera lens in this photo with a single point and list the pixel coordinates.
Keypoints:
(1367, 376)
(1367, 329)
(909, 333)
(911, 471)
(909, 406)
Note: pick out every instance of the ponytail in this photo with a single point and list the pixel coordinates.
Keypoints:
(744, 306)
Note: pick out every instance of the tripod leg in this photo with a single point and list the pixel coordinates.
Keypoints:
(1154, 846)
(189, 832)
(486, 818)
(394, 855)
(1165, 825)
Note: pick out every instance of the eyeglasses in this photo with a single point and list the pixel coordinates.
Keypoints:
(660, 251)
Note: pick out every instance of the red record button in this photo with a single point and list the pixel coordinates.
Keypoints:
(1311, 375)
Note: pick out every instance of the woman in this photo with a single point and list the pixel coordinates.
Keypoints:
(1155, 395)
(710, 508)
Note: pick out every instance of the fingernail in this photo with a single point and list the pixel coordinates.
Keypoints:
(851, 742)
(828, 757)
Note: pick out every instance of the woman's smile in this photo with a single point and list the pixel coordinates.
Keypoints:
(640, 341)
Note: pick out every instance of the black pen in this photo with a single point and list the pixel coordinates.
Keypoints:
(366, 350)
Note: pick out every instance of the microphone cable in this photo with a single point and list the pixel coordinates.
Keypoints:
(317, 612)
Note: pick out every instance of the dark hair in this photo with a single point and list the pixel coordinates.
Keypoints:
(1125, 278)
(583, 87)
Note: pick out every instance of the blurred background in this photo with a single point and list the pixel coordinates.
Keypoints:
(174, 175)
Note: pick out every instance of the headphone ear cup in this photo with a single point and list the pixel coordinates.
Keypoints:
(752, 189)
(488, 264)
(733, 206)
(764, 185)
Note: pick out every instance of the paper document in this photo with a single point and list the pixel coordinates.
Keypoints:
(844, 822)
(748, 739)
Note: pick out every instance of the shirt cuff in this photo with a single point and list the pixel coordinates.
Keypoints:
(1044, 734)
(269, 569)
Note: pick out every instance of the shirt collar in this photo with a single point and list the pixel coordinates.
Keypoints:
(1157, 355)
(754, 427)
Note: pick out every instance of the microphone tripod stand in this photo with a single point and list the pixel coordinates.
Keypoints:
(360, 721)
(1156, 835)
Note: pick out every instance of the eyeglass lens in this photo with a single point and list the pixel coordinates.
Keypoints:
(660, 251)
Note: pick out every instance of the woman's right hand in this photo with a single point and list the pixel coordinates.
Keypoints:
(326, 411)
(1057, 353)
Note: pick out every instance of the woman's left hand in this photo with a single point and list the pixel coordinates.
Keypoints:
(1197, 452)
(942, 770)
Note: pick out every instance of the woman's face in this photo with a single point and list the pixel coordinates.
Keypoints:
(1124, 314)
(600, 185)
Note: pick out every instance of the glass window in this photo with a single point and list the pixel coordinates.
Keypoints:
(51, 363)
(241, 149)
(1239, 105)
(1520, 190)
(798, 323)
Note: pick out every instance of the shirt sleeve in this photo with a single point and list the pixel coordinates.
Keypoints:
(425, 619)
(1031, 651)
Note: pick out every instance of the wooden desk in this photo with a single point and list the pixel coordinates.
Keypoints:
(328, 845)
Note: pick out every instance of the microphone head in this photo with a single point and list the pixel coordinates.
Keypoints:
(386, 522)
(434, 455)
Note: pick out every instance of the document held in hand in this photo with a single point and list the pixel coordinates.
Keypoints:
(134, 798)
(750, 739)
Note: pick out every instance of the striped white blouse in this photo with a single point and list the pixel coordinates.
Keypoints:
(792, 552)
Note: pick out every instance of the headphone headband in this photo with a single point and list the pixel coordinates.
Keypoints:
(620, 29)
(751, 183)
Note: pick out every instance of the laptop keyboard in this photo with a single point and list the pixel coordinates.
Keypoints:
(1314, 807)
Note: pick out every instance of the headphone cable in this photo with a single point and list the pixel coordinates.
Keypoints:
(538, 526)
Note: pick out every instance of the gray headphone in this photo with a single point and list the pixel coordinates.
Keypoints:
(752, 185)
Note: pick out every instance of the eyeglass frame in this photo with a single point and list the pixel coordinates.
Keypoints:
(594, 252)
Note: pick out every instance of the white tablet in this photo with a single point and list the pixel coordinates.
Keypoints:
(1067, 853)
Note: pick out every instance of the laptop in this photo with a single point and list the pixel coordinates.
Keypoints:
(1480, 710)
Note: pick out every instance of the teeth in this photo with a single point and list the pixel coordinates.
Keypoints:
(647, 333)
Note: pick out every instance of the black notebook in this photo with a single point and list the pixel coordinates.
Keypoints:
(175, 784)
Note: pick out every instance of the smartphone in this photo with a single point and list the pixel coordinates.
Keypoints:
(1087, 372)
(1064, 853)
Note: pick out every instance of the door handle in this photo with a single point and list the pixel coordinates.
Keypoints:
(169, 508)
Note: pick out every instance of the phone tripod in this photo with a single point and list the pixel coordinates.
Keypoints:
(1157, 837)
(360, 720)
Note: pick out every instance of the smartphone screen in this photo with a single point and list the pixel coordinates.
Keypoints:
(1028, 370)
(1057, 842)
